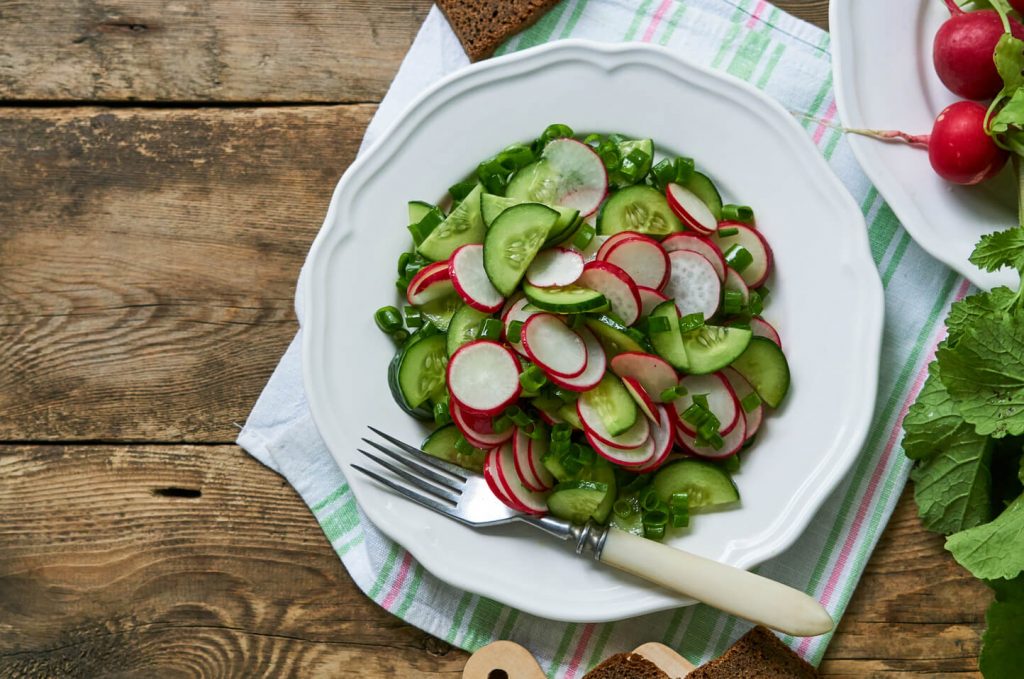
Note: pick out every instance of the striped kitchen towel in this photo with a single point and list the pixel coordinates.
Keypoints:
(788, 59)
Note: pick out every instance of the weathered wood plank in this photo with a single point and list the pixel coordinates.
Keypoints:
(149, 260)
(222, 50)
(190, 50)
(103, 570)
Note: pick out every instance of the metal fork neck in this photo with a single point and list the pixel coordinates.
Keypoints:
(589, 537)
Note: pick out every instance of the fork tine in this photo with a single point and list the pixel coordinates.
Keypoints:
(412, 495)
(420, 469)
(452, 469)
(421, 484)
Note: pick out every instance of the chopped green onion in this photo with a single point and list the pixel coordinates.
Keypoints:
(679, 510)
(657, 324)
(575, 321)
(501, 424)
(388, 319)
(715, 441)
(707, 429)
(403, 259)
(585, 455)
(636, 335)
(532, 378)
(412, 267)
(738, 257)
(421, 229)
(417, 233)
(763, 291)
(750, 402)
(514, 332)
(550, 133)
(591, 138)
(413, 317)
(672, 393)
(490, 329)
(678, 501)
(535, 431)
(654, 532)
(732, 302)
(755, 303)
(656, 517)
(691, 322)
(560, 448)
(583, 236)
(672, 171)
(728, 231)
(649, 499)
(463, 447)
(639, 481)
(461, 190)
(441, 414)
(702, 401)
(731, 464)
(400, 336)
(623, 508)
(737, 213)
(571, 466)
(561, 432)
(694, 414)
(566, 395)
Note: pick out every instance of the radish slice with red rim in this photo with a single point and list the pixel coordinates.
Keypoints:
(522, 448)
(649, 298)
(610, 241)
(721, 400)
(733, 281)
(491, 476)
(663, 435)
(732, 442)
(642, 258)
(762, 328)
(624, 457)
(643, 400)
(597, 361)
(520, 311)
(594, 426)
(477, 429)
(693, 212)
(466, 268)
(693, 283)
(742, 388)
(700, 245)
(752, 241)
(617, 286)
(533, 502)
(556, 267)
(483, 376)
(580, 174)
(431, 282)
(554, 346)
(653, 373)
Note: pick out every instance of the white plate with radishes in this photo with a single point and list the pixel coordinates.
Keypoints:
(828, 308)
(887, 78)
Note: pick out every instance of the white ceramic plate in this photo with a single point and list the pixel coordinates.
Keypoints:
(884, 79)
(826, 300)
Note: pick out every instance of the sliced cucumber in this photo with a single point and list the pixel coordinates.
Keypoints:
(570, 299)
(603, 472)
(572, 418)
(554, 465)
(419, 209)
(669, 344)
(639, 208)
(612, 403)
(441, 310)
(764, 365)
(576, 501)
(513, 241)
(714, 347)
(704, 483)
(422, 411)
(535, 183)
(421, 369)
(615, 337)
(441, 444)
(705, 189)
(464, 326)
(491, 206)
(464, 225)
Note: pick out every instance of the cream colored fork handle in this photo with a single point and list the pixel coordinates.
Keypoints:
(729, 589)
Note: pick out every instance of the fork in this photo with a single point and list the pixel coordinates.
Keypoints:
(465, 497)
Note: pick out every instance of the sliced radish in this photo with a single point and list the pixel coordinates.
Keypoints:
(477, 429)
(549, 418)
(693, 283)
(522, 447)
(490, 474)
(642, 258)
(642, 398)
(690, 209)
(483, 376)
(597, 361)
(762, 328)
(466, 268)
(580, 172)
(554, 268)
(520, 311)
(700, 245)
(743, 389)
(594, 427)
(554, 346)
(533, 501)
(616, 285)
(732, 442)
(538, 449)
(754, 243)
(431, 282)
(733, 281)
(624, 457)
(721, 400)
(649, 298)
(609, 241)
(653, 373)
(663, 436)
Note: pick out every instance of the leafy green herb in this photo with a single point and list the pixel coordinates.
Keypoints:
(1003, 654)
(995, 549)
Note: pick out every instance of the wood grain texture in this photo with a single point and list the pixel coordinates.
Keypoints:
(149, 262)
(196, 561)
(203, 50)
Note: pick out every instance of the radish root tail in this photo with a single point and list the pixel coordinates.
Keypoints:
(895, 136)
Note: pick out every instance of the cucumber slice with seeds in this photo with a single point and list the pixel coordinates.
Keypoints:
(614, 336)
(669, 344)
(491, 206)
(764, 365)
(464, 225)
(614, 406)
(421, 370)
(441, 444)
(639, 208)
(705, 484)
(714, 347)
(577, 501)
(419, 209)
(571, 299)
(464, 326)
(513, 240)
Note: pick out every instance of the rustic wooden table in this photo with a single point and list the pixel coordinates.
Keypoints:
(163, 170)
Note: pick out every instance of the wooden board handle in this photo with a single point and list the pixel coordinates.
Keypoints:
(501, 659)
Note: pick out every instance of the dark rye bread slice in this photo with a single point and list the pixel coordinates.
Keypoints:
(626, 666)
(758, 654)
(482, 25)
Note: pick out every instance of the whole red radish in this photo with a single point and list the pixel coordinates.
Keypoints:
(962, 51)
(1018, 5)
(959, 149)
